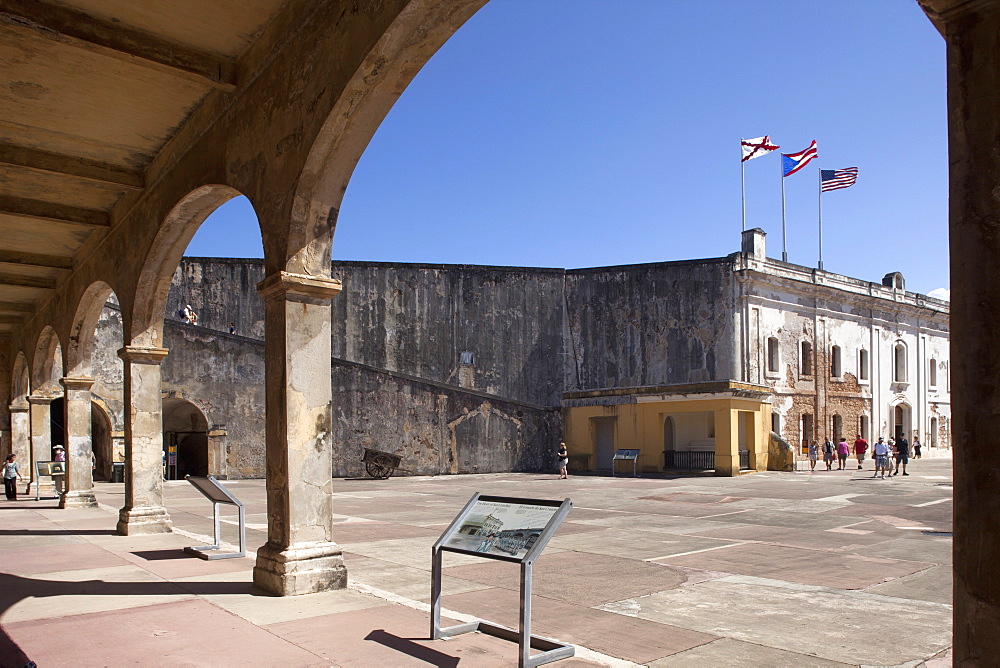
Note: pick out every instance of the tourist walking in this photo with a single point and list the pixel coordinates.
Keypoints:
(842, 451)
(881, 452)
(860, 448)
(813, 455)
(11, 475)
(916, 448)
(562, 461)
(829, 453)
(902, 454)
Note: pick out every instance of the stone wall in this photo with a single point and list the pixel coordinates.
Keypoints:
(436, 428)
(419, 319)
(652, 324)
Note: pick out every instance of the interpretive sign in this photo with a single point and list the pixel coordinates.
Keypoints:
(508, 529)
(501, 528)
(626, 454)
(50, 470)
(218, 495)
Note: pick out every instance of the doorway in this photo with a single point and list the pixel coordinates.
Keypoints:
(604, 442)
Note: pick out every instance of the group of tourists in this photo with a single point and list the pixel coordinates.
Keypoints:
(885, 453)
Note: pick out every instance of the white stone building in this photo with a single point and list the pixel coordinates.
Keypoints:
(842, 356)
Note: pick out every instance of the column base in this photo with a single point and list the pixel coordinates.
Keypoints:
(145, 520)
(306, 568)
(727, 466)
(85, 499)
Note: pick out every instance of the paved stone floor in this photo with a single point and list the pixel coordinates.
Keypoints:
(770, 569)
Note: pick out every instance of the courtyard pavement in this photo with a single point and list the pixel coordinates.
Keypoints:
(769, 569)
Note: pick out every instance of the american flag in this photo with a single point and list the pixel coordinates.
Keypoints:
(835, 179)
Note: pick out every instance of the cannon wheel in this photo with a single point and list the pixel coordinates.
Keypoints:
(379, 467)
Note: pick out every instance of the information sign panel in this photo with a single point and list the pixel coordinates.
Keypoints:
(218, 494)
(501, 527)
(509, 529)
(49, 469)
(626, 454)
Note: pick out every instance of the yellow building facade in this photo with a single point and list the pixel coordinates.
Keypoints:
(709, 425)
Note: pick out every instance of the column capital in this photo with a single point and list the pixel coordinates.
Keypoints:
(76, 383)
(283, 285)
(143, 354)
(18, 407)
(40, 400)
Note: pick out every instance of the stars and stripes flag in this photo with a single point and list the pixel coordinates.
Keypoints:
(754, 148)
(835, 179)
(793, 162)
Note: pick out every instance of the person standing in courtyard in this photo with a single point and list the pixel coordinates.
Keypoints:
(11, 476)
(813, 455)
(562, 461)
(829, 452)
(881, 452)
(916, 447)
(842, 451)
(902, 454)
(860, 448)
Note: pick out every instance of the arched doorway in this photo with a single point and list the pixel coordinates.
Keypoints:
(185, 439)
(900, 421)
(100, 435)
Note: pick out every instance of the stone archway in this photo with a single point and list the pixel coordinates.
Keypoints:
(185, 439)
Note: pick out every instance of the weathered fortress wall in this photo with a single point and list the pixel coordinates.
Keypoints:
(652, 324)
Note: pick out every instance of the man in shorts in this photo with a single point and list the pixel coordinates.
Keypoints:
(881, 452)
(860, 448)
(902, 454)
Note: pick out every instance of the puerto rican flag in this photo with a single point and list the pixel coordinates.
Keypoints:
(793, 162)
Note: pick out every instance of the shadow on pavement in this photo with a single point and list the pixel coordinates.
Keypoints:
(410, 648)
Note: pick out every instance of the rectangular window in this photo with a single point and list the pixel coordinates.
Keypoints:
(835, 369)
(772, 355)
(863, 364)
(806, 359)
(776, 423)
(863, 426)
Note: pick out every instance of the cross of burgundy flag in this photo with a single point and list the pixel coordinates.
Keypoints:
(754, 148)
(835, 179)
(793, 162)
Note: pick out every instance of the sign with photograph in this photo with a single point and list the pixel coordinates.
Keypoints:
(51, 468)
(501, 527)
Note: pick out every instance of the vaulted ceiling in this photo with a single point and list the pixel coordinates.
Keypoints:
(91, 91)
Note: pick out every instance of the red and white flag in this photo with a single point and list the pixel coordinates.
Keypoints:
(754, 148)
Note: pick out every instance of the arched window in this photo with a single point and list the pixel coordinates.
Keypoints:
(772, 355)
(862, 364)
(837, 428)
(932, 375)
(863, 426)
(835, 369)
(806, 359)
(899, 362)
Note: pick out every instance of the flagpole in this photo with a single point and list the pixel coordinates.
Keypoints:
(820, 185)
(784, 236)
(743, 185)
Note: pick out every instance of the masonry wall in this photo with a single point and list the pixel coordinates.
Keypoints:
(434, 428)
(653, 324)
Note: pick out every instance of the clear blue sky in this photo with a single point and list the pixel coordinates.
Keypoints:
(577, 133)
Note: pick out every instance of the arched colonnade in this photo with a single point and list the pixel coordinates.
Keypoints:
(288, 139)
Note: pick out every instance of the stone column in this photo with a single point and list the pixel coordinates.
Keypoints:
(20, 436)
(217, 463)
(727, 442)
(300, 556)
(973, 37)
(79, 488)
(143, 512)
(41, 441)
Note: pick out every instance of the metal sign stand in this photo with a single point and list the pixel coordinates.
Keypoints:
(48, 469)
(625, 455)
(551, 650)
(218, 495)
